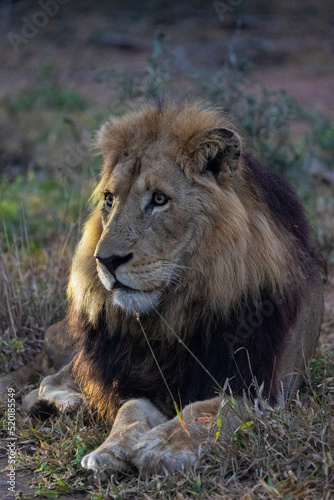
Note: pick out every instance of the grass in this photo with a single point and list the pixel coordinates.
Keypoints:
(48, 92)
(45, 207)
(32, 288)
(286, 453)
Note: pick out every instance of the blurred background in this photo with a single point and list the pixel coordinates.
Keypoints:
(65, 65)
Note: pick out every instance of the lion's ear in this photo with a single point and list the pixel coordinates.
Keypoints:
(220, 149)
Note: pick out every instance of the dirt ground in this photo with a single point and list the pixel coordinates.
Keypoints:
(22, 487)
(291, 47)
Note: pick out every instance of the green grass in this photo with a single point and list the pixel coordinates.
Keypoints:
(50, 95)
(48, 92)
(47, 207)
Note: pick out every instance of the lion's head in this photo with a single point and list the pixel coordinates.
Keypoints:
(177, 214)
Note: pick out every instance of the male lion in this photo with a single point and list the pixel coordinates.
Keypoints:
(197, 253)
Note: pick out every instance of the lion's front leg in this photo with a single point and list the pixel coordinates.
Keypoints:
(174, 446)
(135, 418)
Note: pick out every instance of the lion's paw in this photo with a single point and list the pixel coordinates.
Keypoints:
(103, 461)
(158, 456)
(64, 396)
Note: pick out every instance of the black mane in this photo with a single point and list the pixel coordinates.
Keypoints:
(242, 349)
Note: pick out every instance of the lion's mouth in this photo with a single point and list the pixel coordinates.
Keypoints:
(120, 286)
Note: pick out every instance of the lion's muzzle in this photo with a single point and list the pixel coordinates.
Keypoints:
(113, 262)
(118, 279)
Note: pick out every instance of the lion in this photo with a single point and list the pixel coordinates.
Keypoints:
(194, 286)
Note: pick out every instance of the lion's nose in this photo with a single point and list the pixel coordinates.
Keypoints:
(113, 262)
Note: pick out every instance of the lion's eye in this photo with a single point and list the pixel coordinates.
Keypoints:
(109, 199)
(159, 199)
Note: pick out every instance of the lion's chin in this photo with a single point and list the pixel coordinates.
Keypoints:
(136, 302)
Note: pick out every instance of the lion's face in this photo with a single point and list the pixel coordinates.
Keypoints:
(149, 212)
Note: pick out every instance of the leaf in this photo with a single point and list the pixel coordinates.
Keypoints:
(42, 467)
(219, 426)
(184, 426)
(270, 482)
(48, 493)
(246, 425)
